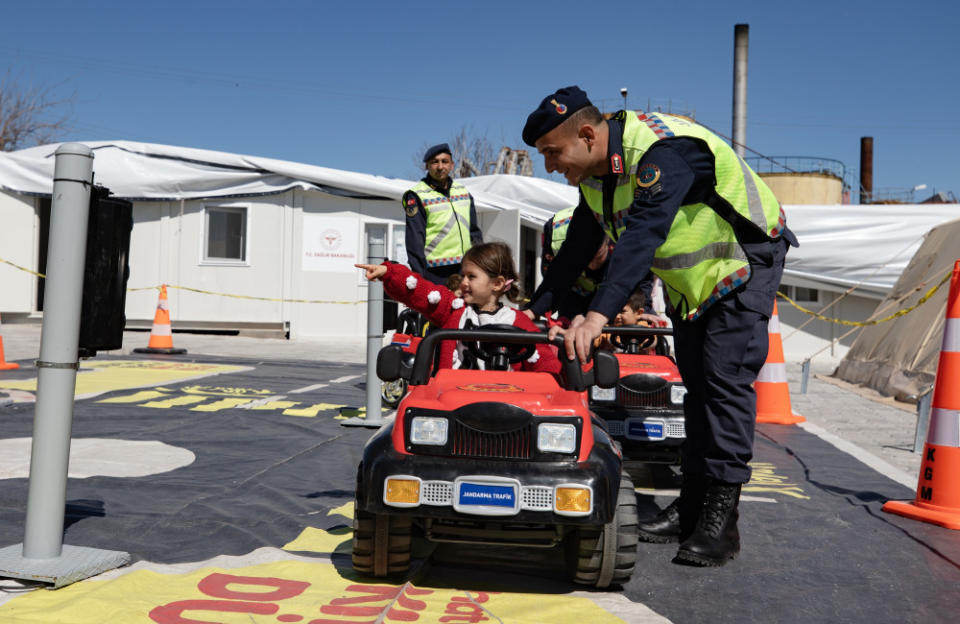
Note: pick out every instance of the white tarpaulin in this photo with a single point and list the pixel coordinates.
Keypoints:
(843, 245)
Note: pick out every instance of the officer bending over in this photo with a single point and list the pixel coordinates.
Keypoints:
(677, 200)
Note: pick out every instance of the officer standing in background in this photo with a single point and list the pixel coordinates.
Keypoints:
(677, 200)
(441, 219)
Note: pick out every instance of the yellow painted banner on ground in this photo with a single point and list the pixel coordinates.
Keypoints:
(99, 376)
(292, 591)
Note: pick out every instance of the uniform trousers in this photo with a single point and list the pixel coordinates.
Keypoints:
(719, 355)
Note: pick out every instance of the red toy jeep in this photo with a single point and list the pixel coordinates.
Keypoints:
(644, 411)
(495, 456)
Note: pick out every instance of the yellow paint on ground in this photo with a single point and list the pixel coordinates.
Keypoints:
(764, 478)
(275, 405)
(311, 539)
(99, 376)
(289, 591)
(311, 411)
(175, 401)
(345, 510)
(216, 406)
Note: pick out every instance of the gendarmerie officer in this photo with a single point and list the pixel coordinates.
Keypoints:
(441, 219)
(677, 200)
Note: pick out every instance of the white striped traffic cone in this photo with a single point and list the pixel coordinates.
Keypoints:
(773, 393)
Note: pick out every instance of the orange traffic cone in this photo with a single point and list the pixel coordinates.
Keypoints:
(4, 364)
(773, 393)
(161, 336)
(938, 485)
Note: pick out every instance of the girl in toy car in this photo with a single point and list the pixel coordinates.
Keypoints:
(488, 276)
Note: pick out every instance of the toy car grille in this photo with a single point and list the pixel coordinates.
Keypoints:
(634, 398)
(536, 498)
(468, 442)
(675, 430)
(615, 428)
(436, 492)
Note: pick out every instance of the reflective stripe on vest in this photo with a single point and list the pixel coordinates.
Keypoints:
(697, 274)
(447, 219)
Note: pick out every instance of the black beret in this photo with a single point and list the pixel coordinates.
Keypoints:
(437, 149)
(554, 110)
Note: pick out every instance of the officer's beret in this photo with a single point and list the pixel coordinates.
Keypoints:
(554, 110)
(442, 148)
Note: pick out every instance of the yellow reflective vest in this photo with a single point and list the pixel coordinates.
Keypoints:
(701, 260)
(448, 223)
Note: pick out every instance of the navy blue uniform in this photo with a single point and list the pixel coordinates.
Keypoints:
(721, 352)
(416, 233)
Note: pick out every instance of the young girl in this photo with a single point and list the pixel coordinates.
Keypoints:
(488, 275)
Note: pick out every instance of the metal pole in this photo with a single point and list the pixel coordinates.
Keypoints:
(57, 367)
(43, 556)
(923, 420)
(376, 246)
(741, 39)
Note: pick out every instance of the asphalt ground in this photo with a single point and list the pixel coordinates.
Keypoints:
(251, 521)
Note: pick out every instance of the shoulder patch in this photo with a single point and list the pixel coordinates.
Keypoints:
(648, 175)
(410, 206)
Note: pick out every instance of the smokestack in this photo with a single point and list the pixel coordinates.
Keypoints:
(866, 170)
(741, 37)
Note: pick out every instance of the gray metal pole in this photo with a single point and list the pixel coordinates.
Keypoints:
(43, 556)
(376, 255)
(741, 38)
(376, 252)
(59, 339)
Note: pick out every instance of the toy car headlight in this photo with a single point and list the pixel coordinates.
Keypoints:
(603, 394)
(677, 393)
(428, 430)
(556, 438)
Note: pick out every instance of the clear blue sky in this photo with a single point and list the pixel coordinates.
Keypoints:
(363, 85)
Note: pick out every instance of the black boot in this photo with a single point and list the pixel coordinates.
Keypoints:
(677, 520)
(715, 540)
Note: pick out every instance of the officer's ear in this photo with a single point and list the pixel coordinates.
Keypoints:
(588, 133)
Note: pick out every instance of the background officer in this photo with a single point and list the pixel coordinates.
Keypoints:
(577, 299)
(441, 219)
(677, 200)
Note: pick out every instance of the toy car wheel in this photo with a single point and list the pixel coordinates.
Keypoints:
(381, 544)
(606, 555)
(392, 391)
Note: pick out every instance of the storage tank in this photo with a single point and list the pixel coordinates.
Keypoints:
(803, 179)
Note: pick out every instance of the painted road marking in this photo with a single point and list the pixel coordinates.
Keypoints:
(309, 388)
(345, 378)
(97, 377)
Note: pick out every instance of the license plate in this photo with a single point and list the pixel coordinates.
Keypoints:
(638, 429)
(485, 495)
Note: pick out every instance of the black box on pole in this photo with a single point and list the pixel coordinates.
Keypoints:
(102, 316)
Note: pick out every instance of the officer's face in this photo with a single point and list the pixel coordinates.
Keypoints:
(439, 167)
(565, 152)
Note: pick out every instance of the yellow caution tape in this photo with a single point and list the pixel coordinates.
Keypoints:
(896, 314)
(25, 269)
(206, 292)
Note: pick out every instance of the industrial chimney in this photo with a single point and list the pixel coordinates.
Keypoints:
(741, 36)
(866, 170)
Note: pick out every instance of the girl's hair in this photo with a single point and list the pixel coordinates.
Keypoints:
(496, 259)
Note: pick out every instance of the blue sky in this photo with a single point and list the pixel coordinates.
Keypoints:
(362, 86)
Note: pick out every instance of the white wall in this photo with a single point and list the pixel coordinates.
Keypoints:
(19, 236)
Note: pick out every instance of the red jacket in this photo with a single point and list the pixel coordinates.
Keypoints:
(444, 309)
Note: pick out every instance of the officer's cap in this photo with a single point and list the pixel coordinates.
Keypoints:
(554, 110)
(442, 148)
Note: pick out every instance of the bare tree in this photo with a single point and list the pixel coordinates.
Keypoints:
(31, 115)
(471, 153)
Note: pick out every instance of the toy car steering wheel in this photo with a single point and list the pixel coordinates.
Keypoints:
(632, 345)
(499, 356)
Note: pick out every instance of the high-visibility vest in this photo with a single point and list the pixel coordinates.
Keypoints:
(584, 286)
(448, 223)
(701, 259)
